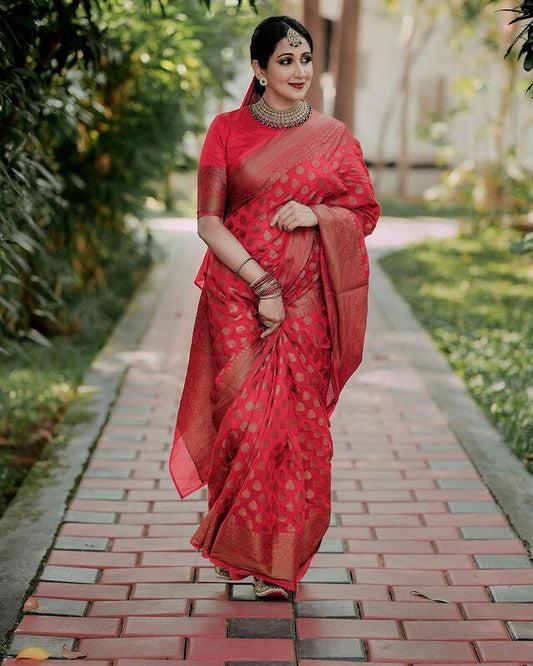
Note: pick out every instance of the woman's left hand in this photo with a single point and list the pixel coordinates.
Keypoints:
(292, 215)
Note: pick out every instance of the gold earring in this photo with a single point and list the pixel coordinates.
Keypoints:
(263, 81)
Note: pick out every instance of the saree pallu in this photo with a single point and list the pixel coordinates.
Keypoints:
(253, 421)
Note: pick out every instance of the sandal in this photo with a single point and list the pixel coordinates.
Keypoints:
(263, 590)
(222, 573)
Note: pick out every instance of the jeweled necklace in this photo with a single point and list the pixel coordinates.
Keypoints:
(280, 118)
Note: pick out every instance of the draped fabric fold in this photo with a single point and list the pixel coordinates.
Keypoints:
(253, 422)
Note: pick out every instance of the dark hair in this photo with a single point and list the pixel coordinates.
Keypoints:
(266, 36)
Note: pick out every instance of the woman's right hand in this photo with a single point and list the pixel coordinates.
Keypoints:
(270, 311)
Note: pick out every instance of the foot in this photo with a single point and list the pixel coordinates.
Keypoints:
(222, 573)
(264, 590)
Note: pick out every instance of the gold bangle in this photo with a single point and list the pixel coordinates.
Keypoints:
(244, 262)
(259, 279)
(263, 298)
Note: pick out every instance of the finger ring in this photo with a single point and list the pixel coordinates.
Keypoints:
(268, 324)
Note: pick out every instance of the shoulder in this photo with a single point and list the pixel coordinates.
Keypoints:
(328, 122)
(223, 123)
(226, 119)
(337, 130)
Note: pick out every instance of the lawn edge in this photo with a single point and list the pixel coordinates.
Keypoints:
(501, 471)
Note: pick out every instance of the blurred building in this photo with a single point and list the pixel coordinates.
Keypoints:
(433, 77)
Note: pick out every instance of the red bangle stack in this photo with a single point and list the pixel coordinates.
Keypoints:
(266, 286)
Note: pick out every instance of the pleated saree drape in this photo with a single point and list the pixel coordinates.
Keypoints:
(253, 422)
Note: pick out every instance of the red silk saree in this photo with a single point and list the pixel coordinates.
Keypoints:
(253, 422)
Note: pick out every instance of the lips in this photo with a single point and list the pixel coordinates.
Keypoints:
(298, 86)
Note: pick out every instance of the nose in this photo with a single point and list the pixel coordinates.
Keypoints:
(300, 71)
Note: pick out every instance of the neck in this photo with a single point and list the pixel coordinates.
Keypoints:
(279, 105)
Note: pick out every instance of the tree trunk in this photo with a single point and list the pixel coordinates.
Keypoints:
(313, 22)
(403, 157)
(406, 42)
(347, 70)
(498, 199)
(388, 114)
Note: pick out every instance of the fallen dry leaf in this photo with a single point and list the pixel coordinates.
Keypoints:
(33, 653)
(417, 593)
(31, 604)
(72, 654)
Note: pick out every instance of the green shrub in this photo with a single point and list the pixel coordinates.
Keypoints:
(95, 100)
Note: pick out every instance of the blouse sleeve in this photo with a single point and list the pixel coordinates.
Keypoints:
(212, 172)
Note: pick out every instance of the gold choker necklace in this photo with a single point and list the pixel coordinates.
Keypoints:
(280, 118)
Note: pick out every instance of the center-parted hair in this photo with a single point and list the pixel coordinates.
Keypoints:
(266, 36)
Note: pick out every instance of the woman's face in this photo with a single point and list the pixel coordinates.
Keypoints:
(288, 74)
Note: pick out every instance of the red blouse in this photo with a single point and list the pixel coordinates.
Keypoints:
(230, 137)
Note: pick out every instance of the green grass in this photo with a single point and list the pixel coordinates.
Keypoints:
(36, 386)
(475, 297)
(397, 208)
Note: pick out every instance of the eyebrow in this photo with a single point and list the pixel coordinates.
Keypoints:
(291, 54)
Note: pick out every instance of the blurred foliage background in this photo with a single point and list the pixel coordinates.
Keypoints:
(96, 99)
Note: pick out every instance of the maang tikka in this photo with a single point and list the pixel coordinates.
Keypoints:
(294, 37)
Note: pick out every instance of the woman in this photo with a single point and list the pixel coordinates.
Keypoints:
(284, 203)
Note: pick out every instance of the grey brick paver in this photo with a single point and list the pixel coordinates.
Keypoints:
(123, 437)
(352, 649)
(82, 543)
(439, 447)
(90, 517)
(65, 607)
(121, 410)
(460, 484)
(101, 493)
(521, 631)
(242, 592)
(473, 507)
(327, 575)
(70, 574)
(450, 464)
(129, 392)
(487, 533)
(95, 473)
(502, 561)
(329, 609)
(115, 454)
(512, 593)
(125, 421)
(260, 628)
(331, 546)
(52, 644)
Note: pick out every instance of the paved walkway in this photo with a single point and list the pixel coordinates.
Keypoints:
(411, 520)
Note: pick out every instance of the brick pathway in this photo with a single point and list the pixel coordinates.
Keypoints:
(410, 517)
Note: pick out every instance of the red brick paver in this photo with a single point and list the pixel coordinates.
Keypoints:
(409, 516)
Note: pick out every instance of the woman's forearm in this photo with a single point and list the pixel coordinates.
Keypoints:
(227, 248)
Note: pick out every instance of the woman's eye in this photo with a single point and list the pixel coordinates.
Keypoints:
(285, 61)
